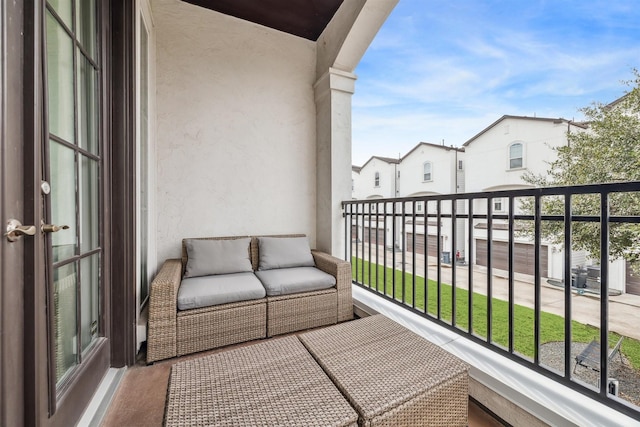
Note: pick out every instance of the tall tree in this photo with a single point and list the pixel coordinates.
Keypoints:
(607, 151)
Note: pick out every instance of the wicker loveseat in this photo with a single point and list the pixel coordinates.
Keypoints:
(176, 332)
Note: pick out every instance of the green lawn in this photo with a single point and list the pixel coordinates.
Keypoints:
(551, 325)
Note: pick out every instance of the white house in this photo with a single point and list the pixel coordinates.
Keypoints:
(425, 170)
(497, 158)
(430, 169)
(494, 159)
(376, 179)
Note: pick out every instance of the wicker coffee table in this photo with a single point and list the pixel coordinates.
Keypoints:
(274, 383)
(391, 375)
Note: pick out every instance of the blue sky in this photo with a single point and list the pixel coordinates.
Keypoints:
(446, 69)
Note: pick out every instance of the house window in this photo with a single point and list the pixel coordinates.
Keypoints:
(459, 164)
(515, 156)
(353, 185)
(419, 207)
(376, 180)
(426, 171)
(497, 205)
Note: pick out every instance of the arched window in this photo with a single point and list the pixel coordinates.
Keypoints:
(376, 180)
(516, 159)
(426, 171)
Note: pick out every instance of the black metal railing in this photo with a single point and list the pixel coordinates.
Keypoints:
(460, 260)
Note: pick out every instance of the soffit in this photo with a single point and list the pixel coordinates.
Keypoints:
(302, 18)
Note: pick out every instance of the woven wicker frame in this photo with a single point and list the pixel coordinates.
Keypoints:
(297, 312)
(217, 326)
(272, 383)
(174, 333)
(423, 384)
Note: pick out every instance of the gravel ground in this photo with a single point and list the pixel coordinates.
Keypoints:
(552, 355)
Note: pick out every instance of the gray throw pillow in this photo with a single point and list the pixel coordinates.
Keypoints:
(208, 257)
(284, 252)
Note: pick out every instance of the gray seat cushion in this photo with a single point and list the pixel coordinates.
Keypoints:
(205, 291)
(286, 281)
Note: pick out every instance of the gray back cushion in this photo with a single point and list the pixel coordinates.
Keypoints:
(284, 252)
(208, 257)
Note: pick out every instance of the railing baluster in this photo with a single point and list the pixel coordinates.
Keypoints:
(404, 252)
(413, 254)
(384, 242)
(358, 207)
(489, 269)
(567, 287)
(362, 243)
(369, 242)
(393, 253)
(452, 259)
(377, 264)
(426, 256)
(604, 292)
(537, 285)
(511, 281)
(470, 262)
(439, 246)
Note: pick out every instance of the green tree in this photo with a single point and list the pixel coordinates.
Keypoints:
(607, 151)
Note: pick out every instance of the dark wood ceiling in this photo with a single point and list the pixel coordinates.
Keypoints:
(302, 18)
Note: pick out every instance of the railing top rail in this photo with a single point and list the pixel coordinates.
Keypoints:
(614, 187)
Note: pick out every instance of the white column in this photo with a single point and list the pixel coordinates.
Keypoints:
(333, 92)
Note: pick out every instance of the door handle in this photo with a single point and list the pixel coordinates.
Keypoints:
(15, 230)
(51, 228)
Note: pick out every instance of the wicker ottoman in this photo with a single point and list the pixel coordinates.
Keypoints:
(274, 383)
(392, 376)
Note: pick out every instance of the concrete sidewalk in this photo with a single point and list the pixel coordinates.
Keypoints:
(624, 310)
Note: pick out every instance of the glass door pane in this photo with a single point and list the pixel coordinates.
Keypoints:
(63, 191)
(89, 305)
(87, 105)
(60, 80)
(65, 285)
(89, 204)
(74, 165)
(86, 26)
(64, 10)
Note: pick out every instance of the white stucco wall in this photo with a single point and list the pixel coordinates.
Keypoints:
(236, 137)
(366, 188)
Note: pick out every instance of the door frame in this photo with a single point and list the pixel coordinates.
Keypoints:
(42, 406)
(24, 351)
(12, 339)
(122, 239)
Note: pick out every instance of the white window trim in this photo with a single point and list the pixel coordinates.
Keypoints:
(376, 179)
(430, 172)
(509, 168)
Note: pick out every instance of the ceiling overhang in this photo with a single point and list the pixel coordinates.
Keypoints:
(302, 18)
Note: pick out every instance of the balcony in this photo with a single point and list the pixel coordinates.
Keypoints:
(495, 293)
(520, 332)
